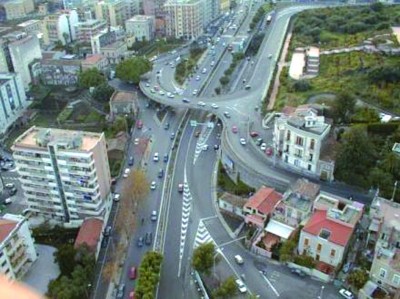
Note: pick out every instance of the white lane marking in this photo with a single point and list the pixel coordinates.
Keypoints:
(270, 284)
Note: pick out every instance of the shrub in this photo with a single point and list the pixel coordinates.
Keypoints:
(305, 261)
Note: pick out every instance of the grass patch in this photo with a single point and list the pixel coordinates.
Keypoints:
(65, 115)
(228, 185)
(56, 236)
(115, 159)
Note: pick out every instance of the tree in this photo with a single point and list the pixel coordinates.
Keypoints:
(66, 37)
(343, 107)
(356, 157)
(227, 289)
(65, 258)
(203, 258)
(103, 92)
(391, 163)
(91, 78)
(132, 69)
(358, 278)
(149, 275)
(286, 251)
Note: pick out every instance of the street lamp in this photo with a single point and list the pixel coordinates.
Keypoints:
(394, 190)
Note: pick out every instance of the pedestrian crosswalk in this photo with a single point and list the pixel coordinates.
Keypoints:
(202, 235)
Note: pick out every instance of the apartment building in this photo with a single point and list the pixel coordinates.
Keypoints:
(185, 18)
(115, 52)
(60, 27)
(58, 69)
(86, 30)
(12, 100)
(17, 51)
(106, 37)
(299, 136)
(17, 250)
(115, 13)
(96, 61)
(384, 232)
(16, 9)
(141, 27)
(31, 26)
(327, 235)
(64, 174)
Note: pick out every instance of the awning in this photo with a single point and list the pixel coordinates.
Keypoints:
(281, 230)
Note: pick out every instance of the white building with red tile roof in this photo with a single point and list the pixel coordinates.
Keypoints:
(90, 234)
(17, 250)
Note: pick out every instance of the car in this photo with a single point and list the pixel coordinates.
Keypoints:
(26, 212)
(197, 134)
(242, 141)
(140, 242)
(171, 96)
(149, 238)
(121, 291)
(239, 260)
(263, 146)
(269, 151)
(185, 100)
(9, 186)
(8, 201)
(235, 129)
(132, 295)
(136, 141)
(116, 197)
(132, 273)
(247, 87)
(197, 78)
(131, 161)
(347, 267)
(259, 141)
(201, 104)
(147, 85)
(242, 288)
(194, 92)
(214, 106)
(155, 157)
(127, 171)
(216, 147)
(104, 243)
(152, 90)
(204, 70)
(161, 93)
(153, 216)
(139, 124)
(254, 134)
(12, 191)
(346, 294)
(227, 114)
(153, 185)
(166, 126)
(298, 272)
(270, 56)
(205, 147)
(180, 188)
(107, 231)
(160, 173)
(172, 136)
(212, 63)
(156, 88)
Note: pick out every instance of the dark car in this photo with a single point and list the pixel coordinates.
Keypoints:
(160, 173)
(185, 100)
(172, 136)
(12, 191)
(166, 158)
(140, 242)
(121, 291)
(216, 147)
(298, 272)
(259, 141)
(131, 161)
(104, 243)
(107, 231)
(166, 126)
(149, 238)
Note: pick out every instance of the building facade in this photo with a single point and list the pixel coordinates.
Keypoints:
(86, 30)
(12, 100)
(185, 18)
(16, 9)
(96, 61)
(115, 13)
(60, 71)
(115, 52)
(60, 27)
(141, 27)
(31, 26)
(17, 249)
(299, 135)
(64, 174)
(105, 38)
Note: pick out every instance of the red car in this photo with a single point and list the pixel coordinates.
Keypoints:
(235, 129)
(132, 273)
(268, 151)
(139, 124)
(132, 295)
(254, 134)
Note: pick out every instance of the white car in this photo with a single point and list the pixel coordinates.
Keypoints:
(156, 157)
(136, 141)
(161, 93)
(197, 78)
(153, 185)
(205, 147)
(346, 294)
(242, 141)
(214, 106)
(263, 146)
(212, 63)
(194, 92)
(201, 104)
(204, 71)
(127, 171)
(152, 90)
(116, 197)
(270, 56)
(147, 85)
(242, 288)
(170, 95)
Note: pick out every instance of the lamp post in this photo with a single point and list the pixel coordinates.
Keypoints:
(394, 190)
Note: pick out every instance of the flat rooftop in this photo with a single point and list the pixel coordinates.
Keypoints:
(28, 23)
(40, 138)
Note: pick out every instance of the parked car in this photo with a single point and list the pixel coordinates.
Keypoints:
(254, 134)
(149, 238)
(201, 104)
(160, 173)
(269, 151)
(140, 242)
(153, 185)
(263, 146)
(346, 294)
(194, 92)
(12, 191)
(241, 286)
(235, 129)
(259, 141)
(139, 124)
(153, 216)
(131, 161)
(298, 272)
(136, 141)
(166, 126)
(121, 291)
(127, 171)
(216, 147)
(117, 197)
(132, 273)
(9, 185)
(132, 295)
(185, 100)
(166, 158)
(172, 136)
(107, 231)
(214, 106)
(242, 141)
(155, 157)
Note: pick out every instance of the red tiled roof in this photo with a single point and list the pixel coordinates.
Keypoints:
(264, 200)
(339, 233)
(89, 233)
(93, 59)
(6, 227)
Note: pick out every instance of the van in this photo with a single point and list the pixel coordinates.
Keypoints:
(239, 259)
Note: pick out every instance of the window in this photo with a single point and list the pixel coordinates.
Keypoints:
(288, 135)
(319, 247)
(396, 279)
(306, 242)
(333, 252)
(312, 144)
(309, 167)
(382, 273)
(299, 141)
(311, 157)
